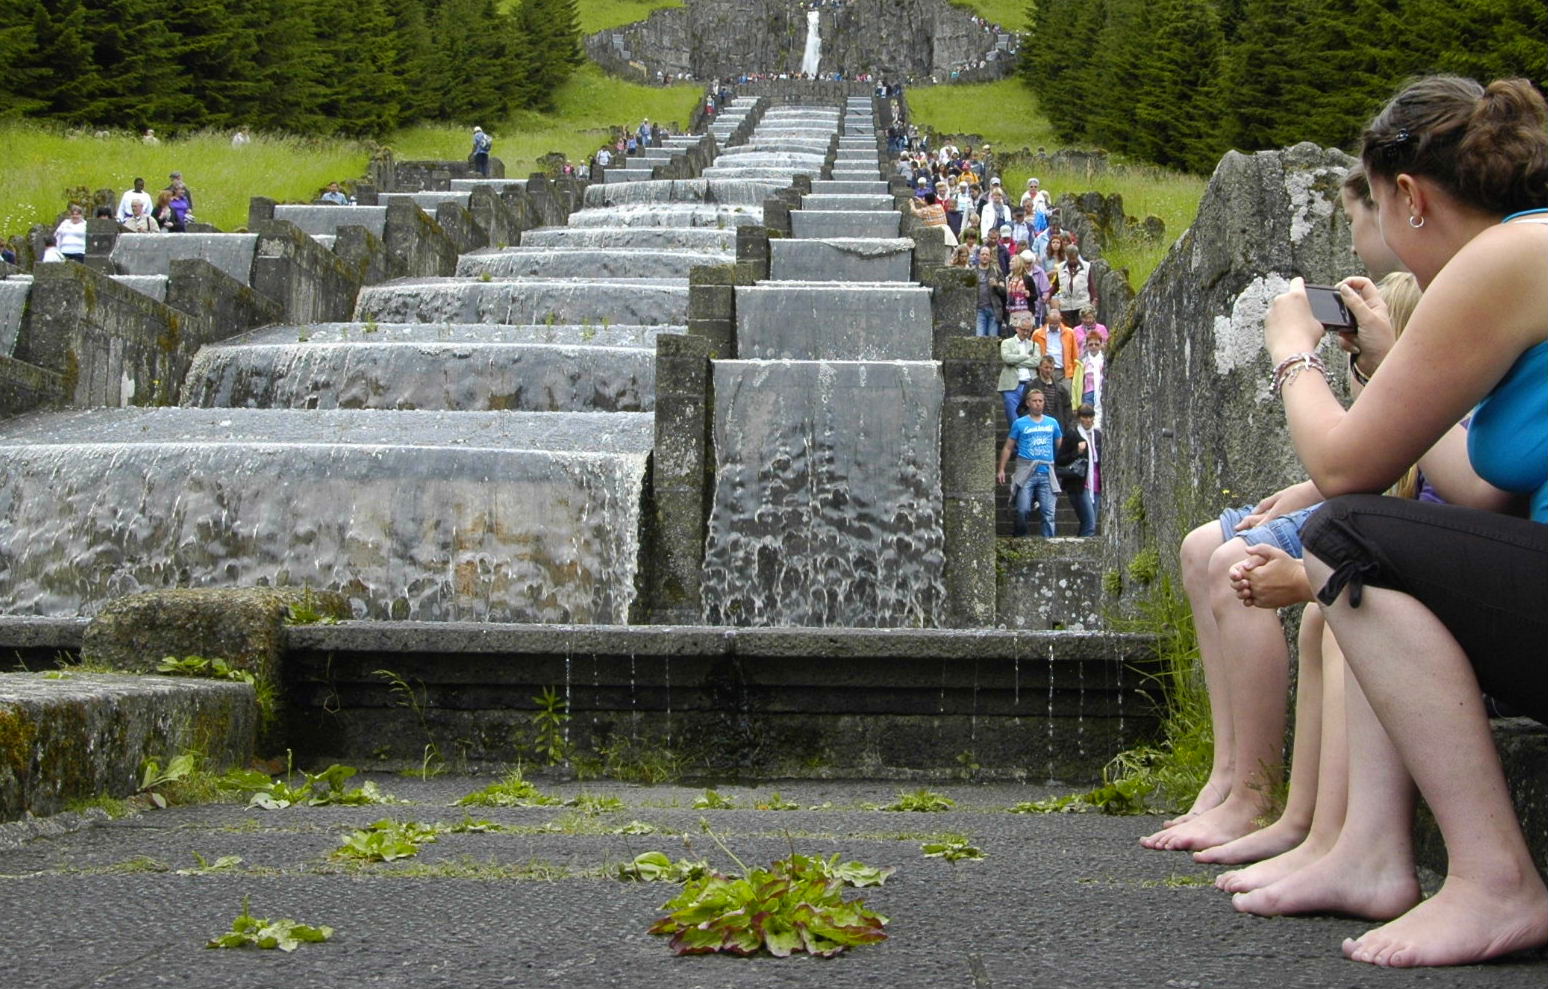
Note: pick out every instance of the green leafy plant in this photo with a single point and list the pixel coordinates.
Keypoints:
(1112, 583)
(592, 803)
(328, 787)
(226, 863)
(1145, 566)
(248, 931)
(650, 867)
(776, 802)
(153, 776)
(307, 611)
(551, 736)
(923, 800)
(713, 800)
(790, 907)
(951, 847)
(513, 790)
(385, 841)
(471, 825)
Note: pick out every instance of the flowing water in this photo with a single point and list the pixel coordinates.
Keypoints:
(812, 56)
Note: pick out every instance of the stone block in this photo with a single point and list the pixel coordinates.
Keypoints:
(24, 387)
(501, 224)
(969, 577)
(418, 245)
(244, 626)
(101, 235)
(461, 227)
(720, 334)
(833, 321)
(846, 259)
(89, 735)
(260, 209)
(971, 365)
(110, 344)
(954, 303)
(364, 253)
(313, 284)
(224, 306)
(1050, 584)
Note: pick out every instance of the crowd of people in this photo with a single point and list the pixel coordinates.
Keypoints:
(1421, 539)
(169, 211)
(1036, 294)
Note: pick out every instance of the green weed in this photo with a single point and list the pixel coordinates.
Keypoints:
(285, 934)
(550, 727)
(922, 800)
(513, 790)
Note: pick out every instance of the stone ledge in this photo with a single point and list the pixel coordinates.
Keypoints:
(73, 736)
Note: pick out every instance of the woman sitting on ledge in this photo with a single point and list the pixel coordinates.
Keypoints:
(1433, 602)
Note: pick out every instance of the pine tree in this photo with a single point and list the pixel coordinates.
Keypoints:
(217, 53)
(135, 50)
(55, 70)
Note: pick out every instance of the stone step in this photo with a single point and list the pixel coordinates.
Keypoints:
(709, 238)
(427, 201)
(498, 185)
(395, 508)
(327, 219)
(817, 224)
(833, 187)
(845, 203)
(845, 259)
(1051, 583)
(598, 262)
(272, 368)
(834, 321)
(643, 301)
(76, 736)
(231, 253)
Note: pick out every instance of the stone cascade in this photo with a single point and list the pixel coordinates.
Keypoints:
(827, 504)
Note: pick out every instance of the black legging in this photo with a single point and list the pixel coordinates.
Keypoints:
(1484, 575)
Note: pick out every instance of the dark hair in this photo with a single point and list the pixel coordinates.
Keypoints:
(1486, 146)
(1358, 186)
(1085, 411)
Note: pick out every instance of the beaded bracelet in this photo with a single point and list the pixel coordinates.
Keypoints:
(1290, 368)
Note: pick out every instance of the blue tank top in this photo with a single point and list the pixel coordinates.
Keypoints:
(1508, 440)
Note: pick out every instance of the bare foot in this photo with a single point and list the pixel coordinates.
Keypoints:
(1272, 870)
(1227, 822)
(1465, 922)
(1375, 883)
(1277, 838)
(1211, 795)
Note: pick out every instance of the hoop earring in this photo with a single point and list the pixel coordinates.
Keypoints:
(1416, 222)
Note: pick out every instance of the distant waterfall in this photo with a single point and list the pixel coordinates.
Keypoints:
(813, 53)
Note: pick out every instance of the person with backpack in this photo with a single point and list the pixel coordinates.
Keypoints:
(481, 144)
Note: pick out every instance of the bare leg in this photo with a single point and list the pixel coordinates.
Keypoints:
(1423, 689)
(1332, 771)
(1256, 681)
(1369, 870)
(1197, 548)
(1292, 826)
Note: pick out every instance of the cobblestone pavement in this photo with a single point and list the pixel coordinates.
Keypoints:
(1060, 900)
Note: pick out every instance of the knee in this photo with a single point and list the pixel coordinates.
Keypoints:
(1197, 546)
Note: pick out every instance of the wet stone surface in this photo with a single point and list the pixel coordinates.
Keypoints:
(1058, 901)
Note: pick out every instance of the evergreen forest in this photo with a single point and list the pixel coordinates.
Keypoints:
(358, 68)
(1179, 82)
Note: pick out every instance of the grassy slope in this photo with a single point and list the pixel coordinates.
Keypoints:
(1009, 14)
(44, 161)
(1017, 122)
(589, 105)
(598, 14)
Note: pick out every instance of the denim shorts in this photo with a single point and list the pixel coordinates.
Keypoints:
(1283, 532)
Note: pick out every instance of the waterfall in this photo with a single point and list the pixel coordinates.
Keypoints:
(813, 54)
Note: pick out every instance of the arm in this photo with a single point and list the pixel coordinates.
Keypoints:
(1281, 502)
(1005, 455)
(1430, 379)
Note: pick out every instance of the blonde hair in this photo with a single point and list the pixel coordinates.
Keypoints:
(1400, 291)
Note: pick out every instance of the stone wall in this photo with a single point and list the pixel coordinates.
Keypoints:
(110, 344)
(1190, 425)
(708, 39)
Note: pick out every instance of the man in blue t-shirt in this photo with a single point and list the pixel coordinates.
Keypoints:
(1034, 438)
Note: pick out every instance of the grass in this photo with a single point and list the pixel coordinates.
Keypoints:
(598, 15)
(1018, 123)
(45, 162)
(1009, 14)
(589, 107)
